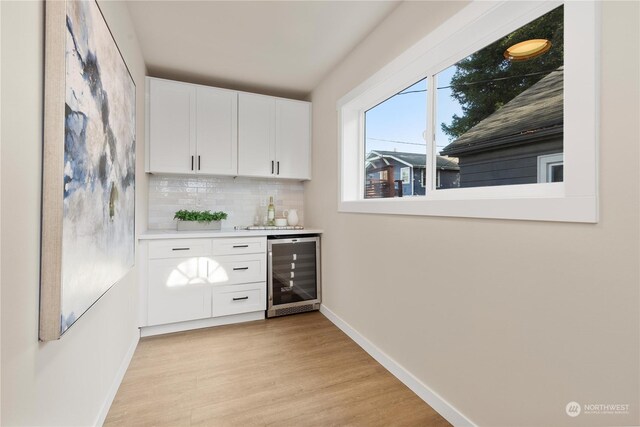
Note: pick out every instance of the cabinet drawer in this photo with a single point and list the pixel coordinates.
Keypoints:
(239, 245)
(234, 269)
(237, 299)
(179, 248)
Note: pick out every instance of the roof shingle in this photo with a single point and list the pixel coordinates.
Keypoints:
(539, 108)
(419, 160)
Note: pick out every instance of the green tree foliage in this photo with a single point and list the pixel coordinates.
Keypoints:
(485, 81)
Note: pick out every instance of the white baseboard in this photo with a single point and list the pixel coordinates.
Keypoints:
(148, 331)
(102, 415)
(440, 405)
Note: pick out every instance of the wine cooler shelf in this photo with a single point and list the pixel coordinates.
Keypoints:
(293, 272)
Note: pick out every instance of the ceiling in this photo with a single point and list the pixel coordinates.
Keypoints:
(274, 47)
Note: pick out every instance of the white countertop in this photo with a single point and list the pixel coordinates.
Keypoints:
(173, 234)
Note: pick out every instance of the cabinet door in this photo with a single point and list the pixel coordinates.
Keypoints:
(256, 135)
(179, 290)
(293, 139)
(171, 126)
(217, 131)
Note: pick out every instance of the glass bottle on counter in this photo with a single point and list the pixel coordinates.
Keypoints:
(271, 212)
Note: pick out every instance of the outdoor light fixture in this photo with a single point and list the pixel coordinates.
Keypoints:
(527, 49)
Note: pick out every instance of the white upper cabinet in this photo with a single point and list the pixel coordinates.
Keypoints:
(171, 127)
(293, 139)
(256, 135)
(194, 129)
(274, 137)
(216, 131)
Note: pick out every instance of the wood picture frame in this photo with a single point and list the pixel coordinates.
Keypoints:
(88, 181)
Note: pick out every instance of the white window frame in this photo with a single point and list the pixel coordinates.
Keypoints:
(545, 162)
(474, 27)
(402, 170)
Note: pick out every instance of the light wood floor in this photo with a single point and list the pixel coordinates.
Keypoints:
(297, 370)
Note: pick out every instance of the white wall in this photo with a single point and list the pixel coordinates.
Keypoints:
(507, 320)
(64, 382)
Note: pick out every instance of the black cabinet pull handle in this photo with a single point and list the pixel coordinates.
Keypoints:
(240, 298)
(240, 246)
(191, 162)
(180, 249)
(271, 166)
(240, 268)
(278, 173)
(198, 162)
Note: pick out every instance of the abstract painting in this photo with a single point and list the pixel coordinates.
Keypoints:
(88, 210)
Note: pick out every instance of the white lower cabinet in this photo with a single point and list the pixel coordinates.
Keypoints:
(234, 299)
(238, 269)
(178, 290)
(194, 279)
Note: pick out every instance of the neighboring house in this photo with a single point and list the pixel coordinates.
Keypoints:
(409, 168)
(521, 143)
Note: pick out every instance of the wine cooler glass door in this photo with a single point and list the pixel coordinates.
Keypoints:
(293, 272)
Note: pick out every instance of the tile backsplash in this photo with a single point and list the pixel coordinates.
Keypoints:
(243, 199)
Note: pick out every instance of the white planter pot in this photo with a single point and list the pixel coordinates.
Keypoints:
(196, 225)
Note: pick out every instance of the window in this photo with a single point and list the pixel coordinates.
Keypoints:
(476, 115)
(394, 141)
(551, 168)
(405, 175)
(496, 115)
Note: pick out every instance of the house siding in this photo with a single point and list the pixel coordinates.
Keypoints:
(449, 178)
(507, 166)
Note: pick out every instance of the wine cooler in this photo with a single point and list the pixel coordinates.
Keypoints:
(293, 275)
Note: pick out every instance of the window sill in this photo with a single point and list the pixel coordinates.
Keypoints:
(563, 209)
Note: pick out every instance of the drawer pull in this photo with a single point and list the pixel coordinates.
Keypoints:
(240, 298)
(240, 246)
(180, 249)
(240, 268)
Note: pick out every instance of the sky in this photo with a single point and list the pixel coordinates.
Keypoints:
(403, 117)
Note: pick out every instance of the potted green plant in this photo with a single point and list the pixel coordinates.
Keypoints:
(199, 220)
